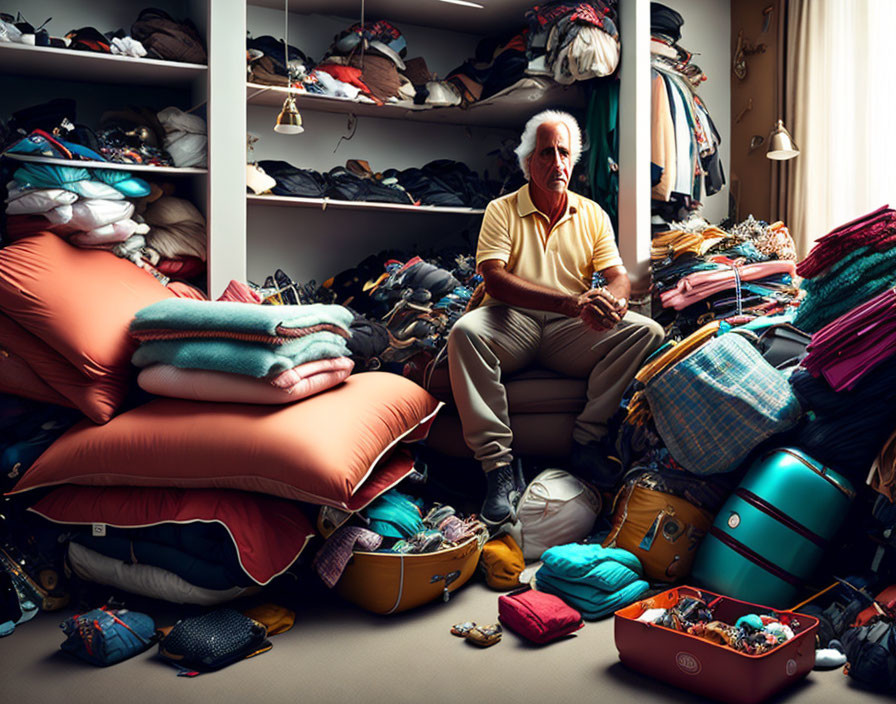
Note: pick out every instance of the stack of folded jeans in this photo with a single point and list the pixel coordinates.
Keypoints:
(592, 579)
(855, 343)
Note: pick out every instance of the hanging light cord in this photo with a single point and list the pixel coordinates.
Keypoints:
(286, 42)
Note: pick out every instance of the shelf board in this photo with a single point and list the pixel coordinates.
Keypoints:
(324, 203)
(510, 111)
(72, 65)
(170, 170)
(494, 17)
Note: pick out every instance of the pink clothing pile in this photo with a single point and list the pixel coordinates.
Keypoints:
(699, 285)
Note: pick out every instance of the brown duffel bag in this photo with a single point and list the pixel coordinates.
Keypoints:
(662, 530)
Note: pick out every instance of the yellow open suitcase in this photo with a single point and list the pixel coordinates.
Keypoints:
(387, 583)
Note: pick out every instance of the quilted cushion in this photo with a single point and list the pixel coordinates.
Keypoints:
(321, 449)
(268, 533)
(79, 302)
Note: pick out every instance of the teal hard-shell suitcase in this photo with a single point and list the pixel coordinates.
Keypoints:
(772, 532)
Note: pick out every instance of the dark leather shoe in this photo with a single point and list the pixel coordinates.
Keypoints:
(502, 495)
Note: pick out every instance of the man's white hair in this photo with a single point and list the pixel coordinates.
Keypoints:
(527, 139)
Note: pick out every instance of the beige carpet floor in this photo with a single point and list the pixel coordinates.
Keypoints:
(338, 654)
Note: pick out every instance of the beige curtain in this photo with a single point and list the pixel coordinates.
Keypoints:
(840, 106)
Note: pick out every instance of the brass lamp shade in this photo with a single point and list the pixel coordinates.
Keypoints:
(781, 145)
(289, 121)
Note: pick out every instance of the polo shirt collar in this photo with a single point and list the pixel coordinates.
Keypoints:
(525, 206)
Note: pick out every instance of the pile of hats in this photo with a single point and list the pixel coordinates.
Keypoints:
(594, 580)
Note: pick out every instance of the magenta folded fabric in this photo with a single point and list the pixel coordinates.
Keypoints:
(876, 230)
(849, 347)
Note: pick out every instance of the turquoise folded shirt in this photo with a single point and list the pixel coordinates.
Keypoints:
(576, 560)
(238, 357)
(210, 316)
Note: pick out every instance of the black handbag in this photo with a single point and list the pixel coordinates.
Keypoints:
(213, 640)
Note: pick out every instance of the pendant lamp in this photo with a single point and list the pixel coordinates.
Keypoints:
(289, 121)
(781, 145)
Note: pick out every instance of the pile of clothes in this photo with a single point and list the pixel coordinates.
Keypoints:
(107, 209)
(240, 352)
(442, 182)
(686, 162)
(404, 306)
(154, 34)
(702, 272)
(396, 523)
(847, 267)
(131, 135)
(752, 634)
(559, 41)
(594, 580)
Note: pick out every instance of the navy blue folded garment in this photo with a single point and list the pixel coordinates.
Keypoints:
(209, 543)
(426, 187)
(291, 181)
(846, 429)
(192, 569)
(274, 48)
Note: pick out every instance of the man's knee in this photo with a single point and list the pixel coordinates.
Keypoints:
(647, 329)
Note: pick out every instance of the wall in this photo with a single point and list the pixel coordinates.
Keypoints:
(705, 34)
(751, 170)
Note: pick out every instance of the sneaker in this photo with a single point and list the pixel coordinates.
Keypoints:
(501, 497)
(596, 462)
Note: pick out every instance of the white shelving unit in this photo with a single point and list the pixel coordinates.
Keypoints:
(88, 164)
(68, 64)
(500, 113)
(324, 203)
(305, 228)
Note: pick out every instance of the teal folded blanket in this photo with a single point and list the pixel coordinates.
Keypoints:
(590, 602)
(576, 560)
(238, 357)
(607, 576)
(183, 314)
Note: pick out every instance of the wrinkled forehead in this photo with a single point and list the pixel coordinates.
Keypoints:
(552, 133)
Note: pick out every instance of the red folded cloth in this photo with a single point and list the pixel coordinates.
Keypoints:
(538, 616)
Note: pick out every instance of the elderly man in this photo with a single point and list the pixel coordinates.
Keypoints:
(538, 251)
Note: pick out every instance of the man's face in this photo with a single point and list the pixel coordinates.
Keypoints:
(550, 165)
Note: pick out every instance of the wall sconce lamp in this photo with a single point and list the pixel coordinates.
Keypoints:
(781, 145)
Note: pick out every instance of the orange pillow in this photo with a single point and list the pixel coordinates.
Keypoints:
(322, 449)
(52, 378)
(17, 378)
(78, 301)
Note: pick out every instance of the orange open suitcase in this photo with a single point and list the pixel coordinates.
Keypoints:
(706, 668)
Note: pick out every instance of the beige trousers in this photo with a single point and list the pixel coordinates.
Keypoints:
(497, 339)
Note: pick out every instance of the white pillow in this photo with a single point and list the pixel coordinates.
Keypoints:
(112, 233)
(96, 212)
(38, 200)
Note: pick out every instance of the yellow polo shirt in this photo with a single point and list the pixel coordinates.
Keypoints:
(582, 242)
